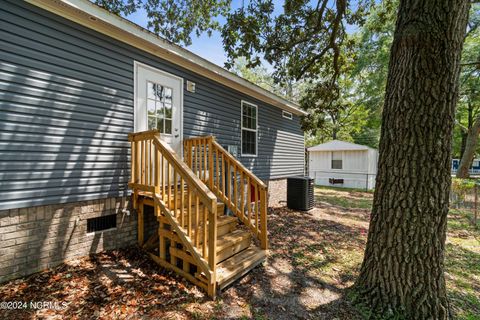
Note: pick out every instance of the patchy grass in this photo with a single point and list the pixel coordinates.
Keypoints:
(462, 249)
(314, 258)
(345, 198)
(462, 263)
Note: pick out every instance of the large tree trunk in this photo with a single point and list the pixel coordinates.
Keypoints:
(402, 271)
(469, 151)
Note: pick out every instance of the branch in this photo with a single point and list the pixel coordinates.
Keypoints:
(461, 126)
(470, 63)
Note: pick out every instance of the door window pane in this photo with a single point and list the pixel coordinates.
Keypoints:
(168, 111)
(159, 107)
(160, 124)
(168, 126)
(152, 123)
(151, 90)
(160, 111)
(151, 107)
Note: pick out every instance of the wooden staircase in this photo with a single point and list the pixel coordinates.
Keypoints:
(190, 201)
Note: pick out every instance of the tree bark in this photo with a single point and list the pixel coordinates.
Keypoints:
(469, 152)
(463, 143)
(402, 271)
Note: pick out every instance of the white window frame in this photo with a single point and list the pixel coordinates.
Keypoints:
(331, 159)
(248, 129)
(287, 115)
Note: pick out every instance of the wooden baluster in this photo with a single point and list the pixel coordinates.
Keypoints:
(168, 186)
(147, 163)
(235, 198)
(194, 163)
(199, 160)
(229, 183)
(205, 160)
(151, 160)
(210, 162)
(212, 243)
(189, 212)
(157, 170)
(217, 183)
(163, 177)
(190, 153)
(142, 163)
(197, 220)
(205, 229)
(257, 201)
(263, 219)
(249, 200)
(175, 192)
(182, 203)
(137, 162)
(242, 195)
(221, 182)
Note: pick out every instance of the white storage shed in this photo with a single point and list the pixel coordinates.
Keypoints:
(343, 164)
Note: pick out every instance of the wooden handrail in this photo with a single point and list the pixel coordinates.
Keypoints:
(158, 172)
(243, 192)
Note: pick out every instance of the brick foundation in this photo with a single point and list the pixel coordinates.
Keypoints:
(33, 239)
(277, 193)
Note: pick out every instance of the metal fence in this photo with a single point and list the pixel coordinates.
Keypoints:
(466, 199)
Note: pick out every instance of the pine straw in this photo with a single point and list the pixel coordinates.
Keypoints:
(314, 258)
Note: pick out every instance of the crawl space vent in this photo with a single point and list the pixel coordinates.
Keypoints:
(101, 223)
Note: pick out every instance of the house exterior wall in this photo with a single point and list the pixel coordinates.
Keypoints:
(358, 168)
(66, 108)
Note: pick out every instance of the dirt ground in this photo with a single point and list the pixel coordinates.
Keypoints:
(314, 258)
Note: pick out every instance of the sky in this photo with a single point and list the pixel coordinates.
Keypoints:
(210, 48)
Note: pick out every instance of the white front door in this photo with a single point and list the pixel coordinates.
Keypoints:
(159, 104)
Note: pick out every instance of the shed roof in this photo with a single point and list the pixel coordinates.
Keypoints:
(94, 17)
(338, 145)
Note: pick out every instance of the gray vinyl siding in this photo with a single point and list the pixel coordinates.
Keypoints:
(66, 108)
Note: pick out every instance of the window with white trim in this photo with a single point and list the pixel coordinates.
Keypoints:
(249, 129)
(287, 115)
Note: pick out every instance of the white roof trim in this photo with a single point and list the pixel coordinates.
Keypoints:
(338, 145)
(175, 52)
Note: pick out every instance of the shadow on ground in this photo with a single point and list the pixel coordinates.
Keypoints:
(313, 259)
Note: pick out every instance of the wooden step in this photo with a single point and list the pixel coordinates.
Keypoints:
(225, 224)
(238, 265)
(232, 243)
